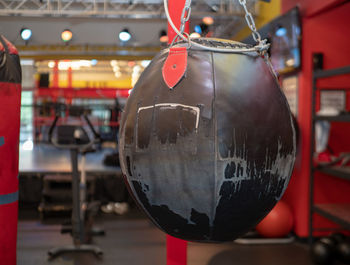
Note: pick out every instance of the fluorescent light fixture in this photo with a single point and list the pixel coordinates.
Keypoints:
(27, 62)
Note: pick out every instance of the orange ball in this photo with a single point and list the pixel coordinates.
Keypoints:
(278, 223)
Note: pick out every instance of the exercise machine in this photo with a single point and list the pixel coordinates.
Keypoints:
(76, 139)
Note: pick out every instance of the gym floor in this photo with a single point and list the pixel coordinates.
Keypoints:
(132, 240)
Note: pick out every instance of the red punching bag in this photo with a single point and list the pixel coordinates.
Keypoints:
(10, 99)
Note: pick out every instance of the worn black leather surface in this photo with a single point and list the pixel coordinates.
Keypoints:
(210, 158)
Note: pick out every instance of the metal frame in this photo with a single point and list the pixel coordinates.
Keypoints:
(51, 52)
(228, 15)
(145, 9)
(333, 171)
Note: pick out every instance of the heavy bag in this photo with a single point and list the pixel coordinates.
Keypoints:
(207, 141)
(10, 100)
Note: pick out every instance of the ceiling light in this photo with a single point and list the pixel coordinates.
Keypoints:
(118, 74)
(195, 35)
(163, 36)
(208, 21)
(66, 35)
(51, 64)
(114, 63)
(26, 34)
(131, 63)
(125, 35)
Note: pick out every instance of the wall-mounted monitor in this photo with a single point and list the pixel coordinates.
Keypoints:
(284, 34)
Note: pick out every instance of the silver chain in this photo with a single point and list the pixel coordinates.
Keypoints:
(261, 47)
(250, 21)
(186, 13)
(185, 16)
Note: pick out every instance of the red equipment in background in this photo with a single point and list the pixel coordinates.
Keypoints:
(321, 36)
(10, 97)
(278, 223)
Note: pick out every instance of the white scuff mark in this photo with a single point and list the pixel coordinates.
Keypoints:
(238, 159)
(174, 172)
(174, 105)
(281, 167)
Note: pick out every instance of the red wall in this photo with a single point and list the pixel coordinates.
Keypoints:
(325, 25)
(310, 7)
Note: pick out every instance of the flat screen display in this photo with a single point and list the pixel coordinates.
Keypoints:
(284, 34)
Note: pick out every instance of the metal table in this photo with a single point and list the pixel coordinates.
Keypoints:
(46, 159)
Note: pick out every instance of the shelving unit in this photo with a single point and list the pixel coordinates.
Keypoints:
(337, 213)
(336, 171)
(338, 118)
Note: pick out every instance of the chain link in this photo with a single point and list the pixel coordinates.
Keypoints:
(250, 21)
(261, 47)
(185, 16)
(186, 13)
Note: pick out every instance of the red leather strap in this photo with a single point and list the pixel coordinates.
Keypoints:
(175, 66)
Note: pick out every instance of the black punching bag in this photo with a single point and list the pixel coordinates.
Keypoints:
(207, 142)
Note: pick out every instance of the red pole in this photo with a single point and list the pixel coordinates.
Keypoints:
(175, 11)
(176, 253)
(176, 248)
(70, 77)
(55, 79)
(69, 85)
